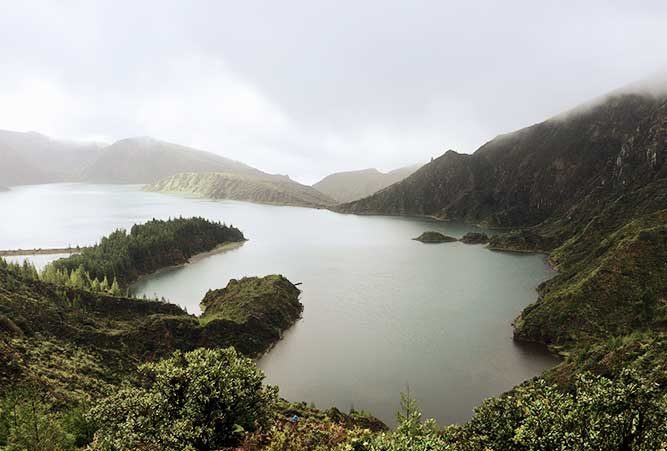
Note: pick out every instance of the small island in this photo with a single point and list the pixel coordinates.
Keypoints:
(434, 237)
(475, 238)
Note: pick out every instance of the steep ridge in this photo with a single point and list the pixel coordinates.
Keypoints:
(590, 188)
(525, 177)
(147, 160)
(354, 185)
(277, 190)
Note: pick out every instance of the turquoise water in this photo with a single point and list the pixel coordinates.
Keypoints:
(381, 311)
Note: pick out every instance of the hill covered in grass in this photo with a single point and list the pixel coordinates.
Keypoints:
(276, 190)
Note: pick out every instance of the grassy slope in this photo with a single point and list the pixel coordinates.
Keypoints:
(218, 185)
(80, 344)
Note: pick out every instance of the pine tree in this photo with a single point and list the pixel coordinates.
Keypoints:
(104, 284)
(95, 285)
(115, 289)
(28, 270)
(78, 278)
(409, 417)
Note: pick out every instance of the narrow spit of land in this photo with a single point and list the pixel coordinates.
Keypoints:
(40, 251)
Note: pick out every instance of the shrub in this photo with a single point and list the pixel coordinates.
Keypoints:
(204, 399)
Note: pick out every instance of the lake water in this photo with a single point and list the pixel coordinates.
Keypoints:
(381, 311)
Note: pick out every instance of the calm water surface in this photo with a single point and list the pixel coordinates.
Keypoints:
(381, 311)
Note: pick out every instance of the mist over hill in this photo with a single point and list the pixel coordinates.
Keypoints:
(603, 150)
(33, 158)
(147, 160)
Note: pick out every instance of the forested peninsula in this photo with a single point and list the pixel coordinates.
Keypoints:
(122, 257)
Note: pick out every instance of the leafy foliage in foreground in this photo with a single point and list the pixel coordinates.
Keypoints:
(124, 256)
(627, 413)
(28, 421)
(80, 345)
(204, 399)
(208, 399)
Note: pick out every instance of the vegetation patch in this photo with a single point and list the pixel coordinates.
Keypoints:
(475, 238)
(122, 257)
(434, 237)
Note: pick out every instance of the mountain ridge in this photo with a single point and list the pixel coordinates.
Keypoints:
(503, 174)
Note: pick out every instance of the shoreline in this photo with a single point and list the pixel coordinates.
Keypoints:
(518, 251)
(219, 249)
(41, 251)
(192, 195)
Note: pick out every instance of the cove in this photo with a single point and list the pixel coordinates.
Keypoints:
(382, 311)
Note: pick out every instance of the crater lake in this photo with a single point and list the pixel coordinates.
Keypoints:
(382, 312)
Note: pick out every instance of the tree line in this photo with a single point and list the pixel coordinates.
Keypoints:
(122, 257)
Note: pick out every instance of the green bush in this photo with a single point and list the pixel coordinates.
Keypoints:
(627, 413)
(204, 399)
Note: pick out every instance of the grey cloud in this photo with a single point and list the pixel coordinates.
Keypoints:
(332, 85)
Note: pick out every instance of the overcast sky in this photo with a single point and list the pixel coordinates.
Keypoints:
(312, 87)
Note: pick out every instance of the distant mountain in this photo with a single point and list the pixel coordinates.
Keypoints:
(277, 190)
(32, 158)
(147, 160)
(353, 185)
